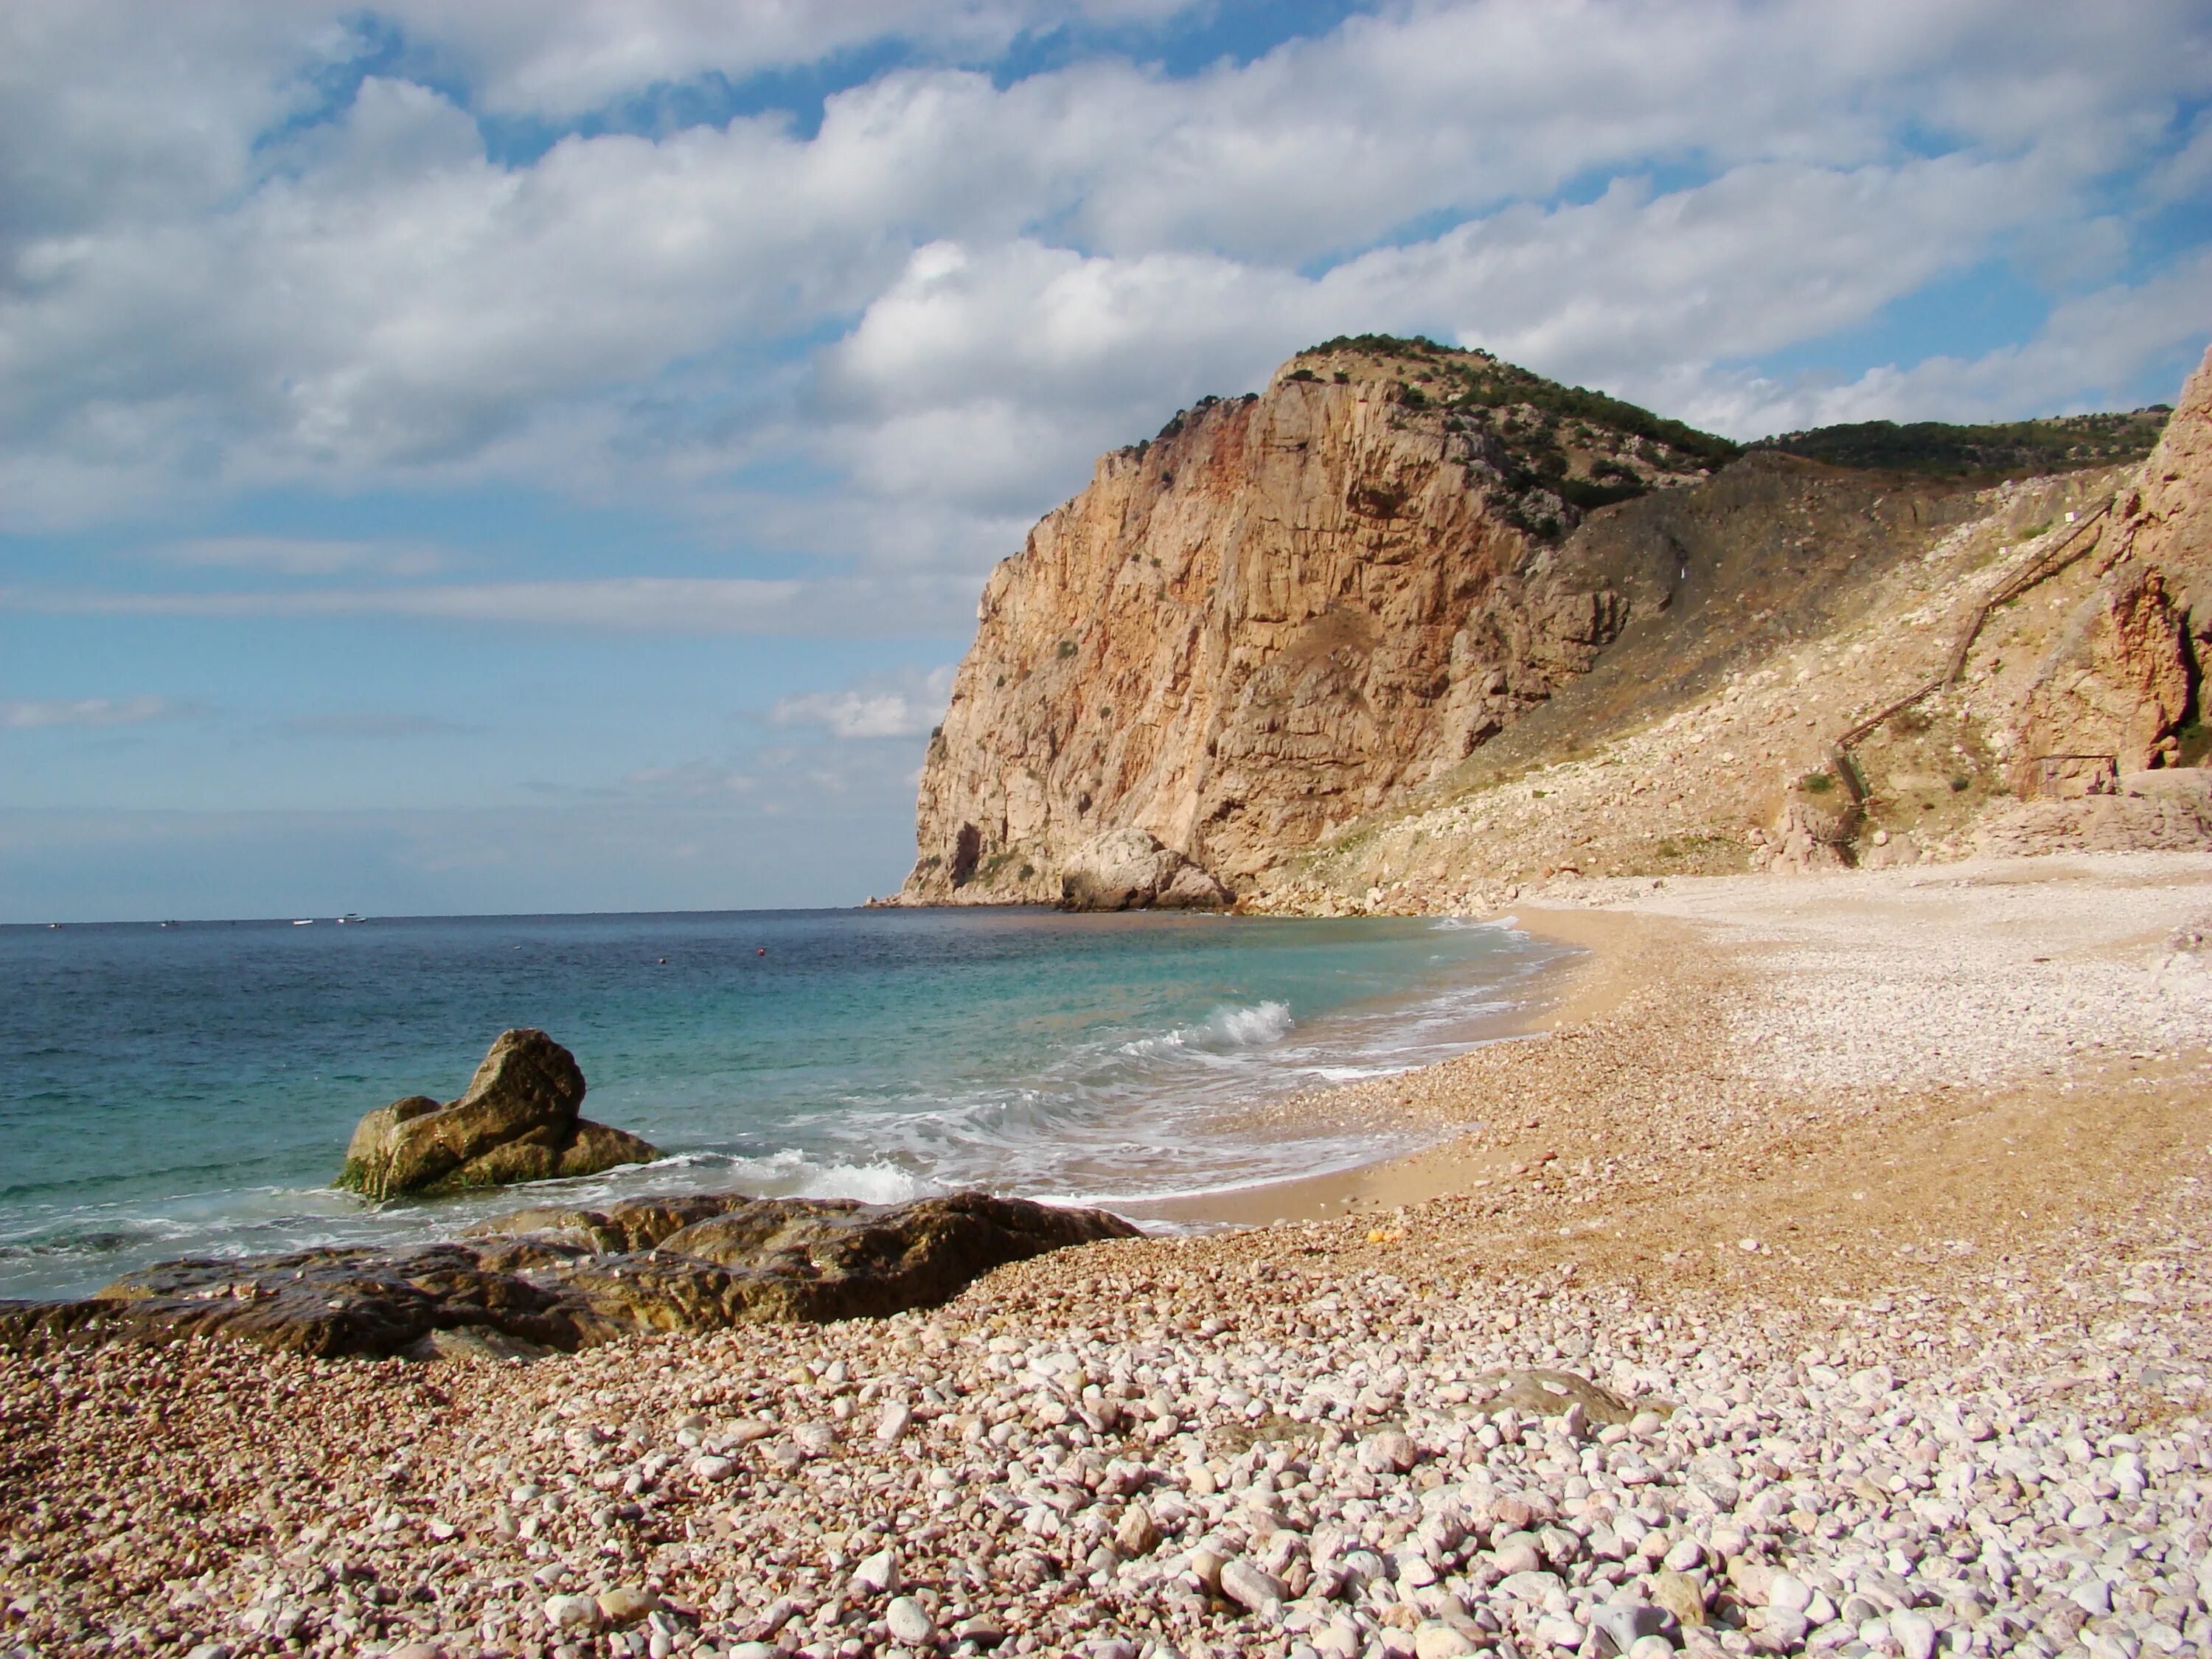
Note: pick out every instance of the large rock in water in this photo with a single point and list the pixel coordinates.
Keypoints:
(517, 1122)
(564, 1278)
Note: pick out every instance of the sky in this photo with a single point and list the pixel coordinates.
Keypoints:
(530, 456)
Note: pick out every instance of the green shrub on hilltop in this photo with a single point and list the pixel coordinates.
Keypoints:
(1501, 384)
(1487, 383)
(2065, 443)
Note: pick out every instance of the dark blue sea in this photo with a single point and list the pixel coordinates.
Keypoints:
(189, 1089)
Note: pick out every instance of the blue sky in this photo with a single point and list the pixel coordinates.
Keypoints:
(530, 456)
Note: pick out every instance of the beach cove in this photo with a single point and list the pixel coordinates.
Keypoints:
(1835, 1374)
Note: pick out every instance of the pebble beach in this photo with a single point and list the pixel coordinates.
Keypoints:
(1826, 1275)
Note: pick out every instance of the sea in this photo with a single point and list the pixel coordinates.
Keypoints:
(187, 1089)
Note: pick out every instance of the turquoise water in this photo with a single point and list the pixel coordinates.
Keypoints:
(189, 1089)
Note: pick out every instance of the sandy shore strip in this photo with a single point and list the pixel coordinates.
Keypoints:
(1869, 1212)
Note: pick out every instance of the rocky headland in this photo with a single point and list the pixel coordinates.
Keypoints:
(1413, 627)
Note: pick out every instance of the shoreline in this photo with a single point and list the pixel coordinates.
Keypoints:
(1128, 1113)
(1584, 985)
(1872, 1225)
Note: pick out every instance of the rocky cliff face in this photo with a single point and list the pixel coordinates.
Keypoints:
(1285, 612)
(2119, 680)
(1814, 598)
(1353, 645)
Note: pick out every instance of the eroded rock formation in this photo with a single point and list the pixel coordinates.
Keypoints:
(1283, 613)
(2115, 685)
(2120, 679)
(565, 1279)
(518, 1120)
(1130, 870)
(2173, 507)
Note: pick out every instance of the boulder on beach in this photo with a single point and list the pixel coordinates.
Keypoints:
(551, 1279)
(517, 1122)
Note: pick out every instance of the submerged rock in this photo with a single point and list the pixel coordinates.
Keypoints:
(518, 1121)
(551, 1279)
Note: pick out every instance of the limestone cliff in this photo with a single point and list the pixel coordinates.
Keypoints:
(1285, 612)
(2173, 502)
(1414, 628)
(2118, 681)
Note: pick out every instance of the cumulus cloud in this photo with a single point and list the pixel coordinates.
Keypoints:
(353, 287)
(902, 706)
(572, 59)
(26, 716)
(2095, 345)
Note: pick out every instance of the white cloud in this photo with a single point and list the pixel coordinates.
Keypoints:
(373, 297)
(661, 604)
(981, 371)
(2095, 346)
(1039, 270)
(904, 705)
(293, 555)
(86, 711)
(568, 59)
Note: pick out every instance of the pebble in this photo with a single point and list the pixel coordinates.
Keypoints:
(1914, 1633)
(879, 1574)
(1560, 1630)
(1390, 1452)
(1680, 1595)
(626, 1605)
(1250, 1587)
(1438, 1641)
(1625, 1623)
(1136, 1534)
(909, 1621)
(1206, 1565)
(1789, 1593)
(572, 1613)
(1513, 1559)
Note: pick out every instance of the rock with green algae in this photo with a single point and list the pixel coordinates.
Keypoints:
(517, 1122)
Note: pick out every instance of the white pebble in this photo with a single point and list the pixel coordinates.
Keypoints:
(909, 1621)
(879, 1574)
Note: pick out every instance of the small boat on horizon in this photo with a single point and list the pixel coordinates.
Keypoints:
(304, 921)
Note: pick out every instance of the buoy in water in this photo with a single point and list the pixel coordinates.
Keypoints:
(761, 951)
